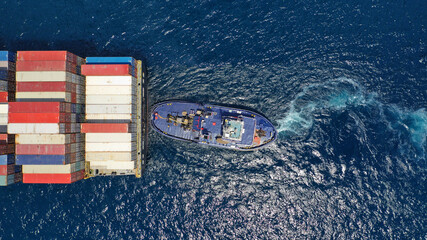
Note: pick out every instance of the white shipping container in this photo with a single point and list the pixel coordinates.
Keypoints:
(43, 138)
(110, 81)
(110, 147)
(109, 116)
(110, 156)
(125, 108)
(69, 168)
(113, 164)
(65, 96)
(47, 76)
(110, 137)
(11, 66)
(4, 118)
(110, 90)
(16, 128)
(110, 99)
(4, 108)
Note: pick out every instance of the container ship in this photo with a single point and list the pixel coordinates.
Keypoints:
(213, 125)
(64, 118)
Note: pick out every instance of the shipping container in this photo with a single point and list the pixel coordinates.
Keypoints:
(61, 178)
(110, 99)
(119, 165)
(3, 128)
(6, 159)
(41, 117)
(111, 60)
(4, 119)
(7, 169)
(108, 117)
(41, 107)
(7, 56)
(7, 138)
(46, 56)
(110, 108)
(107, 70)
(43, 159)
(43, 96)
(48, 76)
(6, 96)
(45, 138)
(10, 179)
(68, 168)
(110, 147)
(39, 66)
(110, 156)
(4, 108)
(105, 127)
(46, 87)
(110, 137)
(110, 90)
(7, 75)
(110, 81)
(7, 148)
(7, 65)
(7, 86)
(17, 128)
(42, 149)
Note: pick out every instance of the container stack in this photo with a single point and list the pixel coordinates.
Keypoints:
(46, 116)
(9, 172)
(110, 129)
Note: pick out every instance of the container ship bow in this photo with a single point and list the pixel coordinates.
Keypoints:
(213, 125)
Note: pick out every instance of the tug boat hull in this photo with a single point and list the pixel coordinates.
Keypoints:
(213, 125)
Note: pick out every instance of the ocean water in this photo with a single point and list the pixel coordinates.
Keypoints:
(344, 82)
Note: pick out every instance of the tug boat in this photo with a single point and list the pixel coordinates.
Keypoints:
(213, 125)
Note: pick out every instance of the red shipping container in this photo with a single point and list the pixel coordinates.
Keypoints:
(59, 178)
(45, 87)
(7, 138)
(7, 96)
(39, 117)
(104, 127)
(7, 149)
(106, 70)
(42, 149)
(46, 66)
(39, 107)
(3, 138)
(4, 97)
(7, 169)
(46, 56)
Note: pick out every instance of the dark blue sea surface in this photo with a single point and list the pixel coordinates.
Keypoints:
(345, 83)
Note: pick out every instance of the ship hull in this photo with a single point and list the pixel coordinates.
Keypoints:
(213, 125)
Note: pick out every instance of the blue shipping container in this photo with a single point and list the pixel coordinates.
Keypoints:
(5, 75)
(3, 128)
(7, 56)
(7, 180)
(7, 159)
(111, 60)
(43, 159)
(18, 168)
